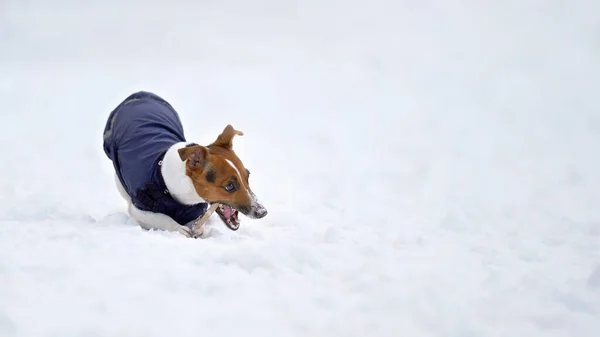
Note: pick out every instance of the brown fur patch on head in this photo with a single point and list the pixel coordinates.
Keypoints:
(216, 168)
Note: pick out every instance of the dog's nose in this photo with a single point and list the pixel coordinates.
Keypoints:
(260, 212)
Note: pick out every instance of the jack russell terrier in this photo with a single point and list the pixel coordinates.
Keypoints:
(169, 183)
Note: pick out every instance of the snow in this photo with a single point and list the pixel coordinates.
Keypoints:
(430, 168)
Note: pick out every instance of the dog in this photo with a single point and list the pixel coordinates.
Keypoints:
(170, 183)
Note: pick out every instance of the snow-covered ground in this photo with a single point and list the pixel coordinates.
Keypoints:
(430, 168)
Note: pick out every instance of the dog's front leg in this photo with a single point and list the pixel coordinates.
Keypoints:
(149, 220)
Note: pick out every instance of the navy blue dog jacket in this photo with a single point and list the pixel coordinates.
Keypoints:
(137, 134)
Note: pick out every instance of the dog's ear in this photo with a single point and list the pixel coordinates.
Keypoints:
(226, 137)
(196, 156)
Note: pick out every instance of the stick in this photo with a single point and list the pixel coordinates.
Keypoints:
(199, 225)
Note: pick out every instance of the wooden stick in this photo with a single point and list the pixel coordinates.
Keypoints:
(198, 229)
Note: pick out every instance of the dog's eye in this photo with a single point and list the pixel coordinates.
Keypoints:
(230, 187)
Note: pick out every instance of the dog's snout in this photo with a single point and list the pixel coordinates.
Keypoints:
(257, 210)
(260, 212)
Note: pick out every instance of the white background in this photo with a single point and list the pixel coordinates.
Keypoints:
(430, 168)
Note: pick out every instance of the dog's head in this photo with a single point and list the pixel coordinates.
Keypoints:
(219, 176)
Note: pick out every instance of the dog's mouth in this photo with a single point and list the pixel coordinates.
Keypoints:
(229, 216)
